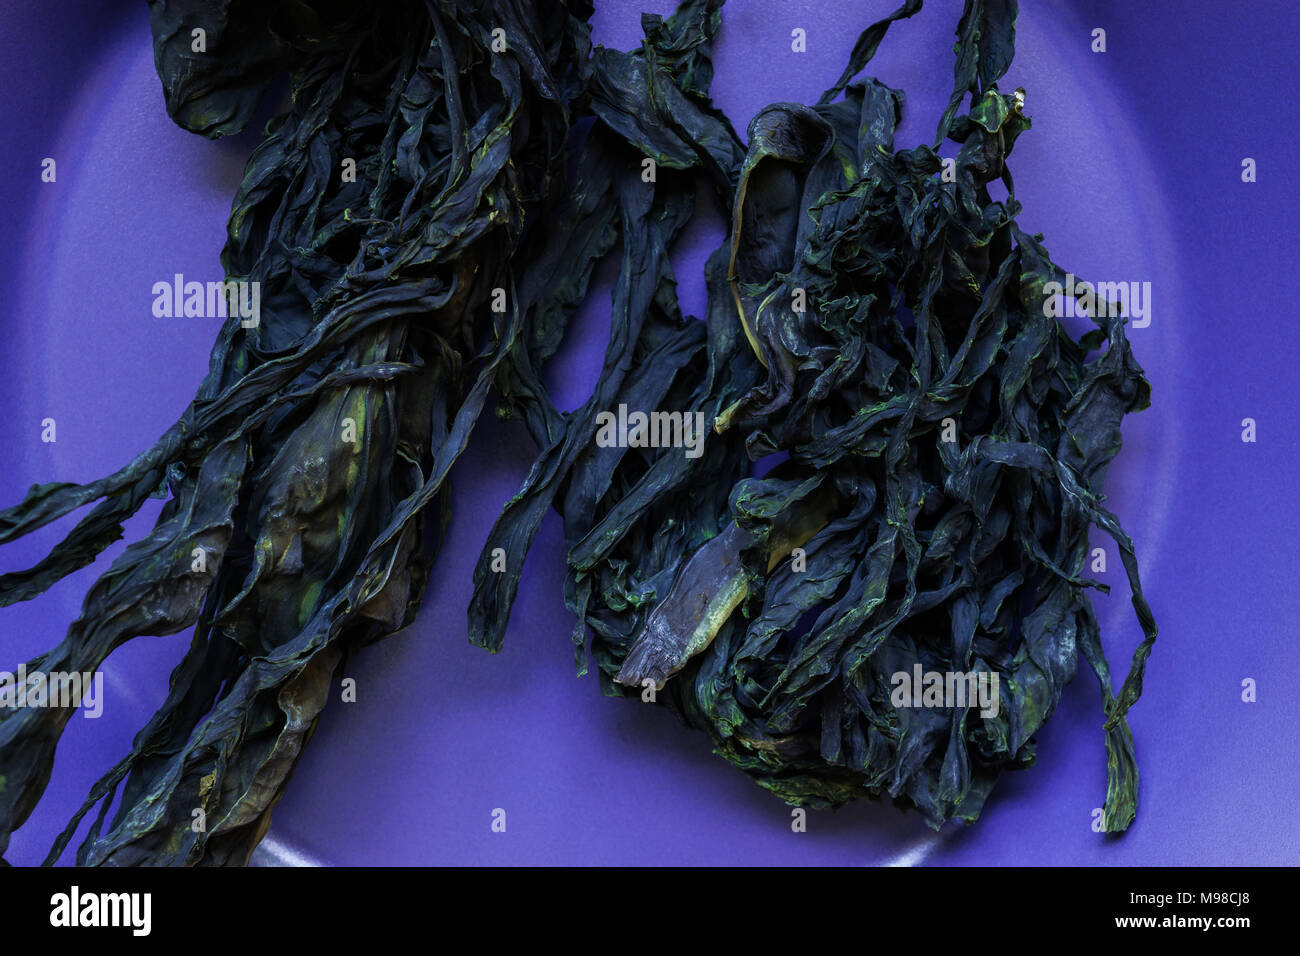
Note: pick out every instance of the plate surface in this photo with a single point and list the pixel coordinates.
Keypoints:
(1133, 173)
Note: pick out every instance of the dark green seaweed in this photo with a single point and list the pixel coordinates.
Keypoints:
(862, 308)
(861, 301)
(376, 307)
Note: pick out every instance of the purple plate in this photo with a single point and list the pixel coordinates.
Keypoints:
(1133, 173)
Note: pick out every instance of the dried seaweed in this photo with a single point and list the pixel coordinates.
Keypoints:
(307, 463)
(942, 440)
(875, 322)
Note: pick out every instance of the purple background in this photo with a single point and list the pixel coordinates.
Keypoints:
(1132, 170)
